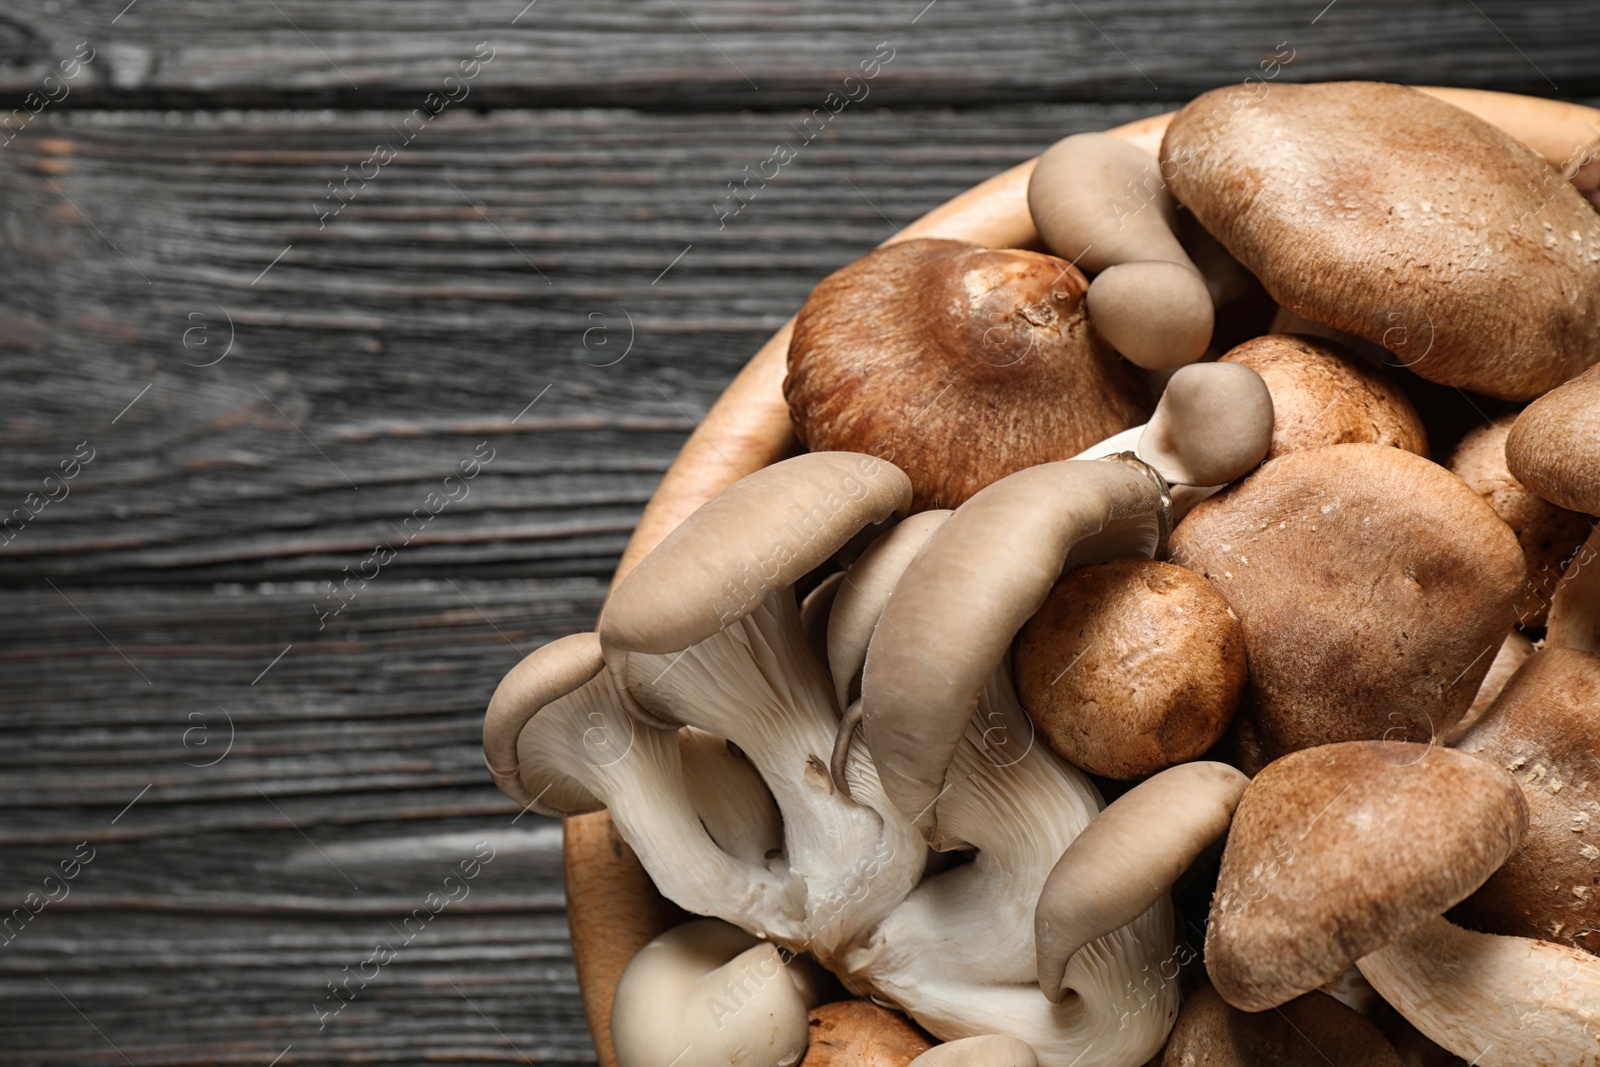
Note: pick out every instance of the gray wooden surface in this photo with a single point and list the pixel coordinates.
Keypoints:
(270, 778)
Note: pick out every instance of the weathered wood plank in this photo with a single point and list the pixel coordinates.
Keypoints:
(495, 262)
(226, 884)
(728, 54)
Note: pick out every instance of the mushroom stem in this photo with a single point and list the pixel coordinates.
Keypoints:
(1128, 858)
(986, 1050)
(1493, 1000)
(1575, 607)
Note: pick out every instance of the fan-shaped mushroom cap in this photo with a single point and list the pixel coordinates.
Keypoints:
(1545, 730)
(1130, 667)
(858, 1033)
(1191, 442)
(558, 668)
(961, 364)
(1437, 570)
(984, 1050)
(1548, 534)
(1129, 857)
(1336, 851)
(705, 994)
(1495, 1001)
(1392, 215)
(1554, 447)
(1157, 314)
(1307, 1030)
(1324, 394)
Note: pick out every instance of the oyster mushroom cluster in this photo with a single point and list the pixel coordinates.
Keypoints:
(1335, 658)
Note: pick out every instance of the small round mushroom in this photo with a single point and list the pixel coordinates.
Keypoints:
(1495, 1001)
(858, 1033)
(961, 364)
(1548, 534)
(1324, 394)
(1100, 202)
(706, 994)
(985, 1050)
(1554, 446)
(1389, 214)
(1129, 857)
(1335, 851)
(1437, 571)
(1312, 1029)
(1130, 667)
(988, 569)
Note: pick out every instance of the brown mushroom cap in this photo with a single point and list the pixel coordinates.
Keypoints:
(958, 363)
(1392, 215)
(1324, 394)
(1308, 1030)
(1373, 587)
(1554, 448)
(1545, 730)
(1548, 534)
(857, 1033)
(1338, 850)
(1130, 667)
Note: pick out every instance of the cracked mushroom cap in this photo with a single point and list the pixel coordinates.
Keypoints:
(1439, 576)
(1391, 215)
(1324, 394)
(959, 363)
(1336, 851)
(858, 1033)
(1554, 448)
(1130, 667)
(1548, 534)
(1311, 1029)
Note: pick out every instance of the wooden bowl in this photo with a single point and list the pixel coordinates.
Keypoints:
(612, 907)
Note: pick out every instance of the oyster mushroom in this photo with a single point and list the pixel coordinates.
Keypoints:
(1128, 858)
(988, 569)
(1130, 667)
(1438, 572)
(705, 994)
(1338, 850)
(985, 1050)
(1324, 394)
(1100, 202)
(557, 740)
(1544, 727)
(1389, 214)
(960, 364)
(705, 632)
(1547, 534)
(1493, 1000)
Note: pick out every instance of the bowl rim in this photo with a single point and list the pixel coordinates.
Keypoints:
(613, 908)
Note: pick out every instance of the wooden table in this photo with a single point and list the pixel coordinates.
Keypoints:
(276, 273)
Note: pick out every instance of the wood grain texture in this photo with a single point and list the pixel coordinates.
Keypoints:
(723, 55)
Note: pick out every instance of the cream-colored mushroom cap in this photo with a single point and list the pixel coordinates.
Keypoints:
(1387, 213)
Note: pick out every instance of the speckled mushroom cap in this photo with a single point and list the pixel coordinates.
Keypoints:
(1548, 534)
(1336, 851)
(1554, 448)
(1324, 394)
(1391, 215)
(958, 363)
(1545, 729)
(1308, 1030)
(1130, 667)
(1373, 587)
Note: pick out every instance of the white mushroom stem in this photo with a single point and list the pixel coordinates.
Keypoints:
(585, 743)
(1512, 654)
(1493, 1000)
(1128, 858)
(1575, 607)
(989, 1050)
(955, 953)
(706, 995)
(734, 803)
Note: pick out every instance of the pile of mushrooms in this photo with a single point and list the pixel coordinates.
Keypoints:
(859, 713)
